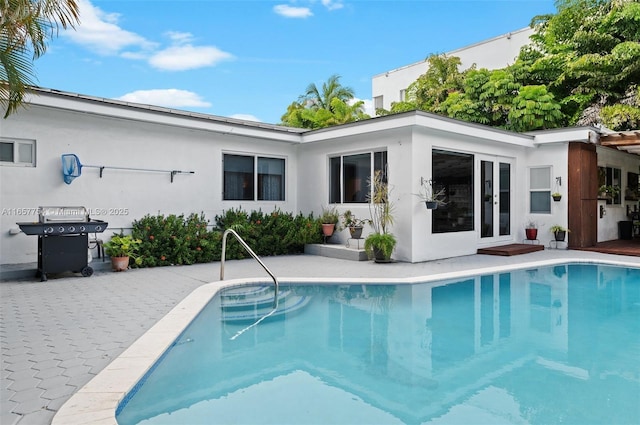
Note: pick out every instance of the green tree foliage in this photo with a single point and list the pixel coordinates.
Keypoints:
(534, 108)
(332, 105)
(25, 27)
(590, 55)
(433, 87)
(581, 68)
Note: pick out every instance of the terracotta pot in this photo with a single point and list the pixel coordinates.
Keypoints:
(119, 263)
(532, 234)
(327, 229)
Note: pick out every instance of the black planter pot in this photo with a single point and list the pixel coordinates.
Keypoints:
(560, 235)
(355, 232)
(557, 198)
(431, 205)
(379, 257)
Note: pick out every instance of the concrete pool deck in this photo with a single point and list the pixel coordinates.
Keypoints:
(56, 336)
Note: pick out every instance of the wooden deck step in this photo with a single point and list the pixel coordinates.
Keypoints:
(512, 249)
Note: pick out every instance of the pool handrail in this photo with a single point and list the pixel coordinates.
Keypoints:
(254, 255)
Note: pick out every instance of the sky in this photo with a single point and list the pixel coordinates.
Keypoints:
(250, 59)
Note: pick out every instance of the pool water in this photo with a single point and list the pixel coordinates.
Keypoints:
(548, 345)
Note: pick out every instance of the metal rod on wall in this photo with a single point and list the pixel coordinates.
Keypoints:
(172, 172)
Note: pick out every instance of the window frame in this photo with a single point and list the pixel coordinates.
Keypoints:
(255, 176)
(611, 175)
(540, 190)
(341, 178)
(16, 152)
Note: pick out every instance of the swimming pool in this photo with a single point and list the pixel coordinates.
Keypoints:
(539, 345)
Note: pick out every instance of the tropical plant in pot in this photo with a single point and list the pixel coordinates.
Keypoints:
(559, 232)
(380, 244)
(121, 248)
(531, 230)
(431, 196)
(354, 224)
(329, 219)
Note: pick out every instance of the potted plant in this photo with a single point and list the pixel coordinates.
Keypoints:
(531, 230)
(121, 248)
(354, 224)
(556, 196)
(430, 196)
(609, 192)
(559, 232)
(329, 219)
(380, 244)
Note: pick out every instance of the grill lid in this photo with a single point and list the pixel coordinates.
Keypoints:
(63, 214)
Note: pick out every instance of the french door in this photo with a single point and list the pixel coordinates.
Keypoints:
(494, 176)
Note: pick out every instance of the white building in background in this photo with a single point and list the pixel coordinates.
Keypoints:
(494, 53)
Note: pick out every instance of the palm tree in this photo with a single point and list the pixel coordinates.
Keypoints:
(25, 27)
(331, 89)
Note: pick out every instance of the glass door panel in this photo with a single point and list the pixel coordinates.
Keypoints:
(494, 181)
(486, 196)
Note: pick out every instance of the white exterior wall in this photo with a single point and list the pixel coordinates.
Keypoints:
(556, 156)
(107, 134)
(494, 53)
(124, 195)
(314, 186)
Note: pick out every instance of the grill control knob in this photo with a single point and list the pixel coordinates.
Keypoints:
(61, 229)
(72, 229)
(82, 228)
(98, 228)
(48, 230)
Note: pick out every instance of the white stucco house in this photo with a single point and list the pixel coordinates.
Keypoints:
(494, 53)
(495, 180)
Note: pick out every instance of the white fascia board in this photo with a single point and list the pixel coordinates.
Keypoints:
(372, 125)
(164, 116)
(420, 119)
(565, 135)
(478, 131)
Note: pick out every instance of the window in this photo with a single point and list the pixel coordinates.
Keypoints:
(17, 152)
(377, 102)
(241, 178)
(610, 181)
(453, 171)
(403, 95)
(349, 176)
(540, 190)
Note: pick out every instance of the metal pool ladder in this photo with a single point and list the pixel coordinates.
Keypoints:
(254, 255)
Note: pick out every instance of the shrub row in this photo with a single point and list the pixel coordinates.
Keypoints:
(180, 239)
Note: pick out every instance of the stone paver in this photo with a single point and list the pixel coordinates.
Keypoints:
(56, 335)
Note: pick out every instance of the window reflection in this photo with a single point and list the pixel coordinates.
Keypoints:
(453, 171)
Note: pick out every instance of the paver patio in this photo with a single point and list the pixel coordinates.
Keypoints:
(56, 336)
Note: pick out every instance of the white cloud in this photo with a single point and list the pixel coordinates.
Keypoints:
(332, 5)
(178, 37)
(180, 58)
(246, 117)
(170, 98)
(292, 12)
(99, 31)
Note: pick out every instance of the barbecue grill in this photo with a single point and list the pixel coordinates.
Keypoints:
(63, 239)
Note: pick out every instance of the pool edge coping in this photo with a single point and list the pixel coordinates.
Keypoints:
(97, 401)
